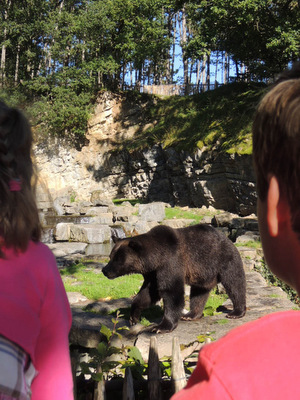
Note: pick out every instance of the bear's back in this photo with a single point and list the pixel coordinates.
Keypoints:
(205, 251)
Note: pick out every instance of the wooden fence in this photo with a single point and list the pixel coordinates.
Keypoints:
(179, 90)
(173, 89)
(154, 384)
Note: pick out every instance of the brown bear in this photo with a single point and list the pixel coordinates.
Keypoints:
(199, 256)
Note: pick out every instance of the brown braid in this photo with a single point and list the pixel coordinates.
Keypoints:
(19, 220)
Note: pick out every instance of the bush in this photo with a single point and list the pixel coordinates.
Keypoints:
(63, 114)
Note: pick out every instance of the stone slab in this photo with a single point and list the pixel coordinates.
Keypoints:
(90, 233)
(153, 212)
(67, 249)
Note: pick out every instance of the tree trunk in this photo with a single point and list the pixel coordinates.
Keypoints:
(208, 72)
(216, 70)
(225, 70)
(17, 65)
(237, 70)
(173, 48)
(203, 80)
(3, 50)
(131, 80)
(3, 60)
(185, 60)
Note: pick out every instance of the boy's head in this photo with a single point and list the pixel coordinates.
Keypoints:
(276, 141)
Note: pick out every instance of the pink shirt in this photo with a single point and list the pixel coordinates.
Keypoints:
(257, 361)
(35, 314)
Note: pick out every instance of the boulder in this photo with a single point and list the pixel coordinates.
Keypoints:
(122, 213)
(248, 236)
(67, 249)
(96, 211)
(102, 218)
(98, 249)
(143, 227)
(223, 219)
(58, 204)
(98, 199)
(90, 233)
(62, 231)
(177, 223)
(153, 212)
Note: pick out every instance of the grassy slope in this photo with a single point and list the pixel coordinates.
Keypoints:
(220, 117)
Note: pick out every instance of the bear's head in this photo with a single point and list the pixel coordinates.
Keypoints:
(124, 259)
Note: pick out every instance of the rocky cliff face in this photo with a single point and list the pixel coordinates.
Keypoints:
(223, 181)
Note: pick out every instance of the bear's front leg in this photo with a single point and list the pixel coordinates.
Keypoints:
(147, 296)
(173, 305)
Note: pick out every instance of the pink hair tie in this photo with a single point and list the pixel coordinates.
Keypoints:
(15, 185)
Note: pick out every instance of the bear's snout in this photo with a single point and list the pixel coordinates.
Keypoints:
(108, 272)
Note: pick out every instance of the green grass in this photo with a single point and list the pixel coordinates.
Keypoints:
(214, 301)
(254, 244)
(155, 313)
(95, 286)
(275, 296)
(222, 321)
(220, 117)
(177, 212)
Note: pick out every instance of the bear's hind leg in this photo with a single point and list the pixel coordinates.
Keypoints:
(198, 299)
(235, 287)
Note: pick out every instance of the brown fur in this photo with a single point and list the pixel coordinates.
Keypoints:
(170, 258)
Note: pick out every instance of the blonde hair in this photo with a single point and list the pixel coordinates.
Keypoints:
(19, 219)
(276, 142)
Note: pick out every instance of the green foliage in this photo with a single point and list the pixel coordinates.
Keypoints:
(195, 215)
(155, 313)
(214, 301)
(96, 286)
(222, 321)
(12, 97)
(73, 197)
(251, 243)
(263, 269)
(262, 34)
(101, 366)
(222, 117)
(57, 55)
(64, 105)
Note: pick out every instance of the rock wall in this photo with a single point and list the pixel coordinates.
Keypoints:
(224, 181)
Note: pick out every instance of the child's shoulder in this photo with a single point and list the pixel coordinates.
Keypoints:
(39, 250)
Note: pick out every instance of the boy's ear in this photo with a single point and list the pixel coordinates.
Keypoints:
(278, 213)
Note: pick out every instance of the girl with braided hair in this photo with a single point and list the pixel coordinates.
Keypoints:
(35, 316)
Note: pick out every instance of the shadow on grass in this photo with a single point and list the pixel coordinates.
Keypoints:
(152, 314)
(72, 269)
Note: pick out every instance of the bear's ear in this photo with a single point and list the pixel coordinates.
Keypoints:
(135, 245)
(115, 238)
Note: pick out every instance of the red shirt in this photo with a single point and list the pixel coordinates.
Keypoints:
(258, 360)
